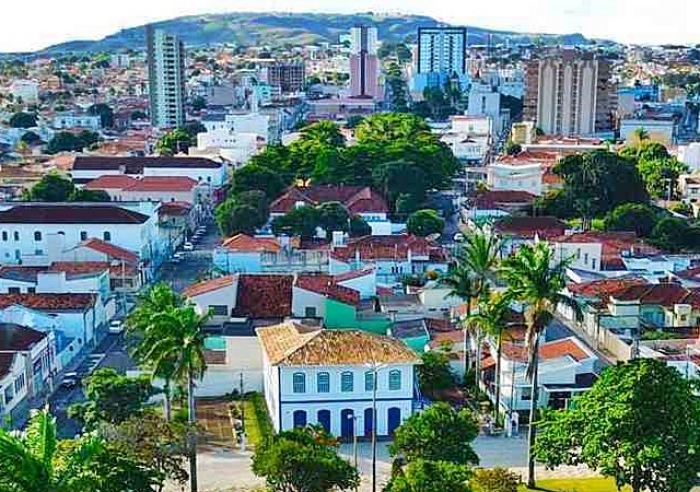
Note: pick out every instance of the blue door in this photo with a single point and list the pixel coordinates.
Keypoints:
(300, 418)
(394, 420)
(368, 422)
(347, 424)
(324, 419)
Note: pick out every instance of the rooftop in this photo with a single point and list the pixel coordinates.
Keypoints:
(327, 285)
(664, 294)
(548, 351)
(16, 338)
(356, 199)
(543, 227)
(162, 183)
(135, 165)
(111, 250)
(264, 296)
(209, 286)
(49, 302)
(63, 213)
(390, 247)
(290, 344)
(245, 243)
(110, 182)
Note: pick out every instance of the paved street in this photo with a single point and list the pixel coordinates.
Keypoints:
(196, 264)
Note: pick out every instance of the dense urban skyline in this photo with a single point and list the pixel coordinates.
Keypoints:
(52, 23)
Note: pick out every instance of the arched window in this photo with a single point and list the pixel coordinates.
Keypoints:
(107, 236)
(16, 236)
(4, 235)
(323, 382)
(37, 235)
(346, 382)
(299, 382)
(299, 418)
(83, 235)
(369, 381)
(394, 380)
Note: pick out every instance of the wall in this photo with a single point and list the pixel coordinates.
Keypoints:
(365, 285)
(160, 196)
(231, 262)
(302, 299)
(344, 316)
(225, 296)
(243, 356)
(584, 256)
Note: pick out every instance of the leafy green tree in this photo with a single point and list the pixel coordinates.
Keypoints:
(435, 476)
(384, 128)
(174, 142)
(23, 120)
(495, 480)
(332, 216)
(536, 279)
(234, 218)
(302, 221)
(637, 217)
(31, 138)
(68, 142)
(83, 195)
(639, 424)
(353, 121)
(674, 235)
(359, 227)
(435, 374)
(255, 177)
(316, 150)
(661, 175)
(112, 397)
(406, 204)
(439, 433)
(303, 460)
(424, 223)
(105, 113)
(512, 148)
(52, 187)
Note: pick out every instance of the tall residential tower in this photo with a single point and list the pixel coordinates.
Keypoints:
(166, 78)
(364, 66)
(441, 56)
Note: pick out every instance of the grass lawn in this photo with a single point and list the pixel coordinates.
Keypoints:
(576, 485)
(254, 435)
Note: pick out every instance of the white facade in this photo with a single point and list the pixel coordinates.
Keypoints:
(690, 155)
(28, 90)
(67, 121)
(234, 146)
(308, 304)
(213, 176)
(484, 101)
(517, 177)
(119, 60)
(247, 123)
(662, 131)
(13, 386)
(583, 256)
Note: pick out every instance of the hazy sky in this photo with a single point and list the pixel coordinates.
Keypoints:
(37, 24)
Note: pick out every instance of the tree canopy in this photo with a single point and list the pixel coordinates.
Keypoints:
(68, 142)
(433, 476)
(639, 424)
(23, 120)
(242, 213)
(423, 223)
(636, 217)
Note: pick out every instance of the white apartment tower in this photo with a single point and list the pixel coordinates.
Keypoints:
(166, 78)
(570, 94)
(442, 50)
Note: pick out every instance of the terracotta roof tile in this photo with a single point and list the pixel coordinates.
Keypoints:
(264, 296)
(327, 285)
(295, 345)
(16, 338)
(665, 294)
(110, 182)
(605, 287)
(175, 208)
(162, 183)
(111, 250)
(78, 267)
(49, 302)
(245, 243)
(356, 199)
(209, 286)
(548, 351)
(389, 248)
(528, 227)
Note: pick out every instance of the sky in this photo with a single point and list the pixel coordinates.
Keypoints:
(41, 23)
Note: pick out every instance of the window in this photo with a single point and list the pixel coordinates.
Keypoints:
(369, 381)
(13, 290)
(527, 394)
(684, 317)
(31, 290)
(593, 263)
(578, 253)
(9, 394)
(394, 380)
(323, 382)
(218, 310)
(585, 258)
(4, 235)
(107, 236)
(19, 384)
(39, 252)
(37, 235)
(83, 235)
(309, 312)
(346, 382)
(299, 382)
(16, 235)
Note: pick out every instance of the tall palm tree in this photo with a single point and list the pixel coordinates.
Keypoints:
(536, 280)
(492, 318)
(139, 324)
(641, 134)
(32, 462)
(174, 345)
(473, 269)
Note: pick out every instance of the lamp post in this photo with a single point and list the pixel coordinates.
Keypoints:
(374, 368)
(354, 417)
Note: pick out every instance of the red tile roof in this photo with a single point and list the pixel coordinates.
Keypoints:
(548, 351)
(530, 157)
(244, 243)
(162, 183)
(328, 286)
(49, 302)
(16, 338)
(665, 294)
(92, 213)
(494, 198)
(356, 199)
(108, 182)
(528, 227)
(394, 247)
(208, 286)
(605, 287)
(264, 296)
(78, 267)
(175, 208)
(353, 274)
(111, 250)
(613, 246)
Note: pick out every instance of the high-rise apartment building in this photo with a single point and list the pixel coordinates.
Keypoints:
(166, 78)
(570, 94)
(286, 77)
(364, 66)
(441, 53)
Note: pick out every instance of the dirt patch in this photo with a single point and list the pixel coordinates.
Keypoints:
(213, 417)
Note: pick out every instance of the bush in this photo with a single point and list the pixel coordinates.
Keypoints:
(496, 480)
(261, 415)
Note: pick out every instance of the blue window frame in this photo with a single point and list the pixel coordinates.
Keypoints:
(394, 380)
(369, 381)
(323, 382)
(299, 382)
(346, 382)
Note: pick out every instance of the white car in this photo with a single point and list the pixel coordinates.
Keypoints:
(188, 246)
(116, 326)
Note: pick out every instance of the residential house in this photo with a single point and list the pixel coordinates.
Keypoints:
(68, 121)
(392, 257)
(689, 186)
(126, 270)
(163, 189)
(484, 206)
(522, 172)
(515, 231)
(329, 378)
(357, 200)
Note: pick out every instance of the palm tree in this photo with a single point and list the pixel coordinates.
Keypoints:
(32, 462)
(474, 268)
(641, 134)
(492, 318)
(139, 323)
(536, 280)
(174, 346)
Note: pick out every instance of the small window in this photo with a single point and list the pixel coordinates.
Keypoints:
(684, 317)
(593, 263)
(9, 394)
(527, 394)
(16, 235)
(309, 312)
(31, 290)
(19, 384)
(13, 290)
(218, 310)
(107, 236)
(323, 382)
(299, 382)
(39, 252)
(394, 380)
(37, 235)
(585, 258)
(346, 382)
(369, 381)
(4, 235)
(83, 235)
(578, 253)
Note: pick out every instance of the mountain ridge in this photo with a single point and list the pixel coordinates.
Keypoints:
(277, 28)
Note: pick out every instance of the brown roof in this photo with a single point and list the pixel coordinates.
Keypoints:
(665, 294)
(78, 267)
(357, 199)
(243, 242)
(162, 183)
(494, 198)
(49, 302)
(528, 227)
(17, 338)
(296, 345)
(605, 287)
(59, 213)
(109, 249)
(6, 360)
(548, 351)
(135, 165)
(327, 285)
(530, 157)
(110, 182)
(264, 296)
(394, 247)
(208, 286)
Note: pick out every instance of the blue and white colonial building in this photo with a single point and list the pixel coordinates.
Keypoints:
(327, 377)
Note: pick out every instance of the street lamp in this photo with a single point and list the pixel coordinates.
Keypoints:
(354, 418)
(374, 368)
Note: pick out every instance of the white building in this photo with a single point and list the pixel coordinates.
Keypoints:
(119, 60)
(265, 125)
(484, 100)
(67, 121)
(166, 78)
(662, 131)
(469, 137)
(28, 90)
(690, 155)
(328, 377)
(233, 146)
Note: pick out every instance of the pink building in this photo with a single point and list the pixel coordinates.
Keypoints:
(364, 65)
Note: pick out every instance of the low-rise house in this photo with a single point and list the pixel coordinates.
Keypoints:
(515, 231)
(67, 121)
(484, 206)
(522, 172)
(328, 377)
(126, 270)
(149, 189)
(689, 186)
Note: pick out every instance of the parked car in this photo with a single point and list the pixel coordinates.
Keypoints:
(70, 380)
(188, 246)
(116, 326)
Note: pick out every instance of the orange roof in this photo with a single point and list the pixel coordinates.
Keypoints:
(78, 267)
(162, 183)
(109, 249)
(209, 286)
(108, 182)
(243, 242)
(548, 351)
(529, 157)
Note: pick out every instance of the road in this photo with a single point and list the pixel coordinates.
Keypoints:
(196, 265)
